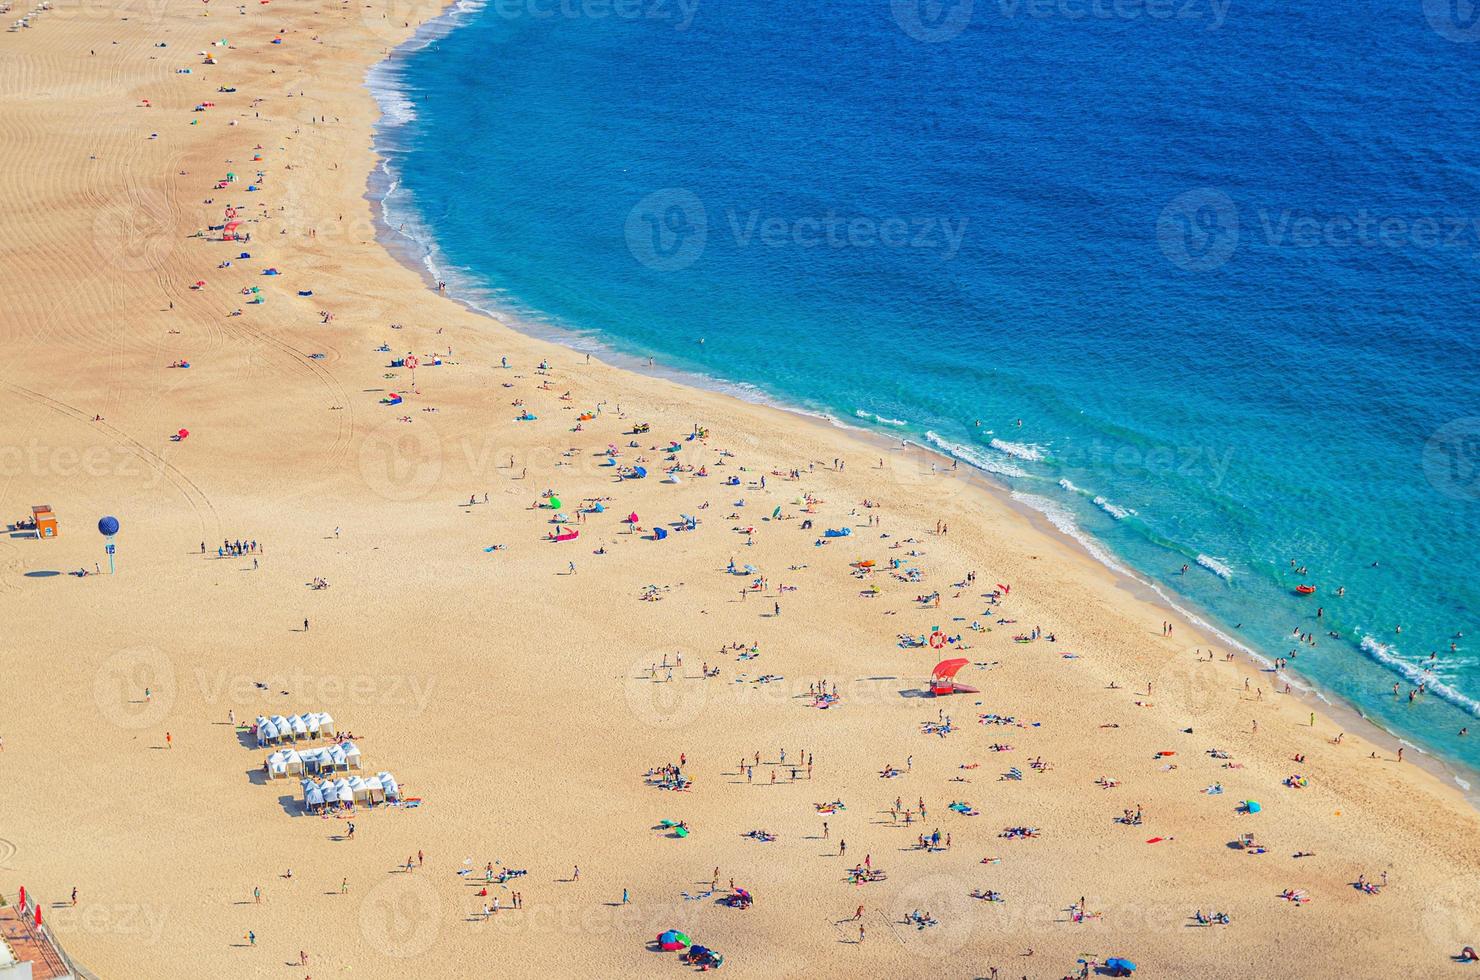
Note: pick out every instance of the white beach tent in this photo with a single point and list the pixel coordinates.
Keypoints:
(392, 791)
(350, 753)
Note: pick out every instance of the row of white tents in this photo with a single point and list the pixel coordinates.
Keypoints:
(380, 788)
(309, 725)
(339, 757)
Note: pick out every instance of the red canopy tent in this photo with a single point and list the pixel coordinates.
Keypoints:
(943, 678)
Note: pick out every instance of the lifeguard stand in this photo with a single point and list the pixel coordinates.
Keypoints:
(45, 520)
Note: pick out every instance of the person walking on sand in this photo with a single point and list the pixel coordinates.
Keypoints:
(625, 898)
(169, 740)
(858, 914)
(74, 896)
(257, 894)
(860, 932)
(576, 874)
(305, 626)
(344, 886)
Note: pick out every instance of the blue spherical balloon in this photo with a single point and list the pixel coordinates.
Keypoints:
(108, 526)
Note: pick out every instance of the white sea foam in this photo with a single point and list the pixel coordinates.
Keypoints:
(1384, 654)
(879, 418)
(1113, 509)
(975, 457)
(396, 109)
(1021, 450)
(1217, 566)
(1071, 487)
(1064, 521)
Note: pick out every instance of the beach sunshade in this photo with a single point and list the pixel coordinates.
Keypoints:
(1253, 806)
(672, 939)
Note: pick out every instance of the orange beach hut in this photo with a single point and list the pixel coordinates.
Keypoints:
(45, 521)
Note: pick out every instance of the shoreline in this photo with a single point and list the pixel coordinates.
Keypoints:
(509, 679)
(403, 247)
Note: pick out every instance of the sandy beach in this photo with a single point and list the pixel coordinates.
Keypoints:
(402, 573)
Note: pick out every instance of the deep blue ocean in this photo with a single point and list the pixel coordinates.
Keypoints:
(1218, 256)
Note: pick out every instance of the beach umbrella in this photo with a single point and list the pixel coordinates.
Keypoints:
(1252, 806)
(108, 526)
(668, 941)
(555, 503)
(1120, 967)
(183, 433)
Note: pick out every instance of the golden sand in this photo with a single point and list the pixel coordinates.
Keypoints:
(514, 697)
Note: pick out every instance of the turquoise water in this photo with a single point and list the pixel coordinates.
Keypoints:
(1220, 260)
